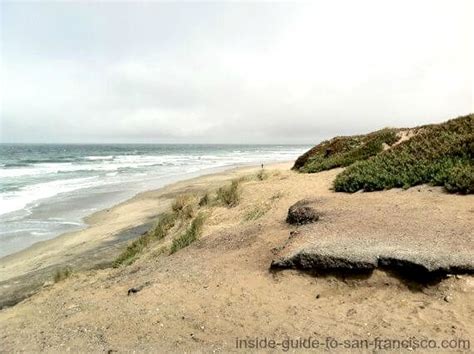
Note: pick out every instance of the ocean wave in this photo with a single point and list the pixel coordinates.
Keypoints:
(55, 168)
(118, 168)
(56, 160)
(39, 233)
(91, 163)
(40, 169)
(99, 158)
(16, 164)
(17, 200)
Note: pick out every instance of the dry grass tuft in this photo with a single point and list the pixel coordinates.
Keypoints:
(62, 274)
(229, 195)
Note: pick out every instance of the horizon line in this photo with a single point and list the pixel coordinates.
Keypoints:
(93, 143)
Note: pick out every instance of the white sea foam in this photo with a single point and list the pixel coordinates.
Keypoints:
(17, 200)
(95, 158)
(114, 166)
(40, 169)
(39, 233)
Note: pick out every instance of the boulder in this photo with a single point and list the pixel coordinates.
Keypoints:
(301, 213)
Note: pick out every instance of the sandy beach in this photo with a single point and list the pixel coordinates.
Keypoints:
(222, 288)
(22, 273)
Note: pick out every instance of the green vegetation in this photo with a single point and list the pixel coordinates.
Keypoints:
(190, 235)
(461, 179)
(62, 274)
(229, 195)
(344, 151)
(184, 206)
(439, 154)
(182, 210)
(165, 222)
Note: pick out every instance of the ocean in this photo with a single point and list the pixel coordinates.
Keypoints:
(47, 189)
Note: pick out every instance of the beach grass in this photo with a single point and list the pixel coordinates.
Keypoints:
(190, 235)
(204, 200)
(190, 211)
(184, 206)
(165, 222)
(229, 195)
(62, 274)
(257, 211)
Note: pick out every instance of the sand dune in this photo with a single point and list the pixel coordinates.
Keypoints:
(221, 288)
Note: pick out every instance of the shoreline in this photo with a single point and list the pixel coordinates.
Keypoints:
(90, 219)
(106, 232)
(81, 208)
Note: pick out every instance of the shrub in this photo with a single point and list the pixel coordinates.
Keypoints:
(344, 151)
(461, 179)
(190, 235)
(229, 195)
(440, 154)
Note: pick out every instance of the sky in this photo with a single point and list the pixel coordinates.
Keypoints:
(230, 72)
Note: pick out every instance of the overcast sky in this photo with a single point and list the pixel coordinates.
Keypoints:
(230, 72)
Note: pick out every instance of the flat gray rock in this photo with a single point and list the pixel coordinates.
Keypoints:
(418, 231)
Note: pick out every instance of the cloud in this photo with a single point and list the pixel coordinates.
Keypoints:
(230, 72)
